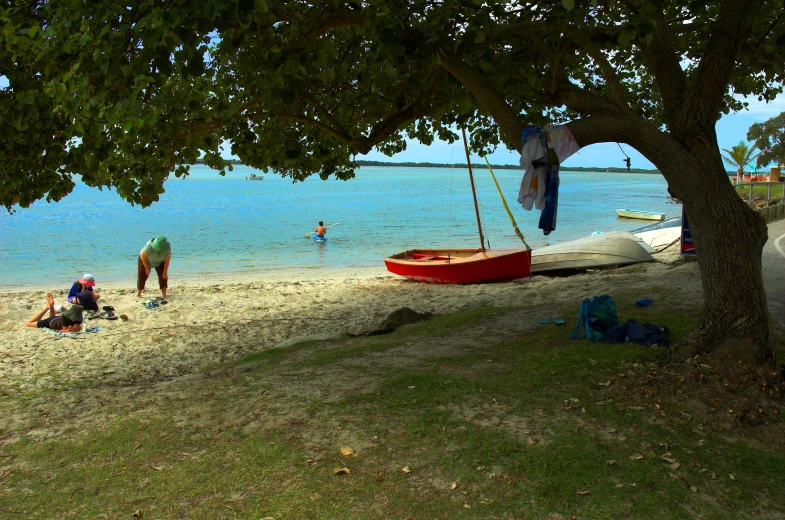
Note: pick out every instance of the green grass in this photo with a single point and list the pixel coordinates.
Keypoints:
(760, 192)
(516, 424)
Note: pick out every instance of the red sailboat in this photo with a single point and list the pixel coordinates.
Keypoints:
(462, 265)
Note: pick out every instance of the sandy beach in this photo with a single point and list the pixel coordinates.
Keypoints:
(205, 324)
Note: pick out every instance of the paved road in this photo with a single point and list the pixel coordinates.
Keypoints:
(774, 271)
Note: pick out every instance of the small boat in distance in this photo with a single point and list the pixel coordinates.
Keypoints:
(448, 266)
(645, 215)
(255, 177)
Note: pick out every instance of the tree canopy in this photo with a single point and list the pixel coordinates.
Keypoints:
(123, 93)
(769, 137)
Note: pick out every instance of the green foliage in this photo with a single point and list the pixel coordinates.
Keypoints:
(739, 156)
(123, 95)
(769, 137)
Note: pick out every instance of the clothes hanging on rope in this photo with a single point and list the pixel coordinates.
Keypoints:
(562, 142)
(548, 215)
(540, 184)
(534, 153)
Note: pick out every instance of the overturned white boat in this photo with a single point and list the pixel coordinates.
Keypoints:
(606, 249)
(661, 235)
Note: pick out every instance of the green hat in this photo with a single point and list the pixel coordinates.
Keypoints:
(74, 313)
(161, 244)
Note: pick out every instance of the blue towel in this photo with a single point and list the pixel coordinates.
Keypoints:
(548, 215)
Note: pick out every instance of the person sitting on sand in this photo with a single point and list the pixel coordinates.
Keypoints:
(155, 254)
(69, 321)
(321, 230)
(84, 284)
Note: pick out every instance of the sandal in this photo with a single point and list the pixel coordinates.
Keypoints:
(107, 308)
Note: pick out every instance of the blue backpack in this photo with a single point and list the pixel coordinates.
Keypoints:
(595, 316)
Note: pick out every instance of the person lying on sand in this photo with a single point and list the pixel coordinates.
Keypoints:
(69, 321)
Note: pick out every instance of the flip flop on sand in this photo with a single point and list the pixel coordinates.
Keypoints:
(555, 321)
(107, 308)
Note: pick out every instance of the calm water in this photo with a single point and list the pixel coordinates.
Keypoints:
(229, 225)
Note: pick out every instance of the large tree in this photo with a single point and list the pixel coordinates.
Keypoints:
(769, 137)
(123, 93)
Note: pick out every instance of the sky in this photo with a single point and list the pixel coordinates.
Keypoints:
(731, 129)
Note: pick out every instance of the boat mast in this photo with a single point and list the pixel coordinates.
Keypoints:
(474, 193)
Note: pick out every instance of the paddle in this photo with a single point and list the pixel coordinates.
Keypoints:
(308, 235)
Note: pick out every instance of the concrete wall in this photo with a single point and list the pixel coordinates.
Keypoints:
(772, 213)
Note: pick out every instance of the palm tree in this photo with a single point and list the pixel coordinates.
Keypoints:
(739, 156)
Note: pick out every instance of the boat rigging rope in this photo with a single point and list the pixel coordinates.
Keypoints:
(506, 207)
(449, 227)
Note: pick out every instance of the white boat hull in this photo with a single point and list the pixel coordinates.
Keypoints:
(607, 249)
(628, 213)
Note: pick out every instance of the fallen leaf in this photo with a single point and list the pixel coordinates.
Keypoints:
(410, 387)
(480, 468)
(668, 459)
(694, 489)
(611, 462)
(341, 471)
(406, 470)
(657, 406)
(695, 430)
(530, 441)
(136, 514)
(619, 486)
(732, 477)
(612, 430)
(454, 486)
(583, 410)
(701, 442)
(675, 466)
(346, 450)
(607, 383)
(582, 493)
(637, 457)
(158, 468)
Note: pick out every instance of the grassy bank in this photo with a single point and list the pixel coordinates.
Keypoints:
(759, 192)
(479, 414)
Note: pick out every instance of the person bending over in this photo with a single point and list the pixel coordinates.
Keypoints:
(155, 254)
(69, 321)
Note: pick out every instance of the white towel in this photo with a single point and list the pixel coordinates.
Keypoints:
(562, 142)
(532, 150)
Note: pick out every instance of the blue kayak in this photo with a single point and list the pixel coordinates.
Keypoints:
(318, 238)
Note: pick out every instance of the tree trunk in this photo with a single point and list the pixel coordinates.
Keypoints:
(729, 238)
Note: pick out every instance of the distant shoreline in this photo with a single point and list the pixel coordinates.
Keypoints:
(608, 169)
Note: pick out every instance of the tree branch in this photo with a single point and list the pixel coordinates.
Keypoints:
(665, 67)
(704, 99)
(346, 20)
(485, 93)
(617, 91)
(325, 113)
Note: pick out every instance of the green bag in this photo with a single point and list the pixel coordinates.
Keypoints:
(602, 313)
